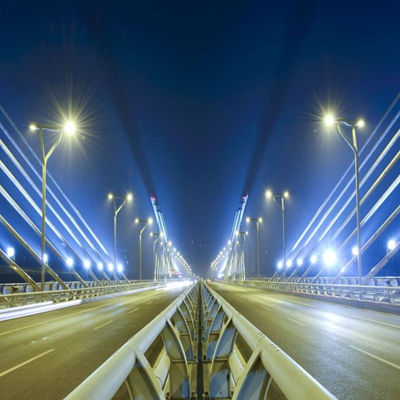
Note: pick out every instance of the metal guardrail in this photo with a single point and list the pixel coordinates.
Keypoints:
(379, 294)
(129, 370)
(23, 287)
(267, 364)
(57, 296)
(227, 375)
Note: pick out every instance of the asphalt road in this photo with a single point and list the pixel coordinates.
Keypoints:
(46, 356)
(354, 353)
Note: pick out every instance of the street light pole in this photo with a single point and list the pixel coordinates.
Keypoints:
(69, 128)
(353, 145)
(146, 223)
(116, 211)
(279, 200)
(255, 223)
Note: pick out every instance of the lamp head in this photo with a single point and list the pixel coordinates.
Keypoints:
(129, 197)
(110, 196)
(33, 127)
(69, 128)
(329, 120)
(268, 193)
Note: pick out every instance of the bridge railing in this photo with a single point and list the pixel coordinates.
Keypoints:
(129, 371)
(226, 375)
(267, 367)
(380, 294)
(17, 297)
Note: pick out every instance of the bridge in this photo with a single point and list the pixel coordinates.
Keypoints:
(77, 322)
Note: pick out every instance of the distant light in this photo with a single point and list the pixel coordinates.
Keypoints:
(69, 128)
(32, 127)
(45, 258)
(110, 196)
(137, 220)
(299, 262)
(150, 221)
(329, 120)
(120, 268)
(247, 219)
(286, 194)
(70, 262)
(289, 263)
(100, 266)
(129, 197)
(268, 193)
(260, 219)
(110, 267)
(354, 251)
(361, 123)
(280, 264)
(330, 257)
(10, 252)
(391, 244)
(313, 259)
(86, 264)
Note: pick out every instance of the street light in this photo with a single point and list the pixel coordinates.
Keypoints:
(69, 128)
(128, 197)
(146, 222)
(255, 223)
(281, 204)
(330, 120)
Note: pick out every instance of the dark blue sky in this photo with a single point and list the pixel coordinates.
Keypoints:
(200, 103)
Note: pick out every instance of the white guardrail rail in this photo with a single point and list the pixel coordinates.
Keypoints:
(222, 373)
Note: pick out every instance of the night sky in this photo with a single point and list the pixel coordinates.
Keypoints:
(200, 103)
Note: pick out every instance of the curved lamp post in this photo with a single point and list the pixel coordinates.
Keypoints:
(69, 128)
(146, 223)
(123, 199)
(329, 120)
(279, 200)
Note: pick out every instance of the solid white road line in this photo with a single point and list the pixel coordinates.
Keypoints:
(268, 309)
(25, 362)
(376, 357)
(296, 322)
(109, 322)
(130, 312)
(148, 303)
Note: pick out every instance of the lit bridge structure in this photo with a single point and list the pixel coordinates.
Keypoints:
(302, 333)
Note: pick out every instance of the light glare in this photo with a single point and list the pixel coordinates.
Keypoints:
(329, 120)
(329, 257)
(391, 244)
(69, 128)
(10, 252)
(70, 262)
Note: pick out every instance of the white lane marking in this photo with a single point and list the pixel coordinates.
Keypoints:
(296, 322)
(148, 303)
(109, 322)
(347, 315)
(25, 362)
(376, 357)
(268, 309)
(54, 319)
(130, 312)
